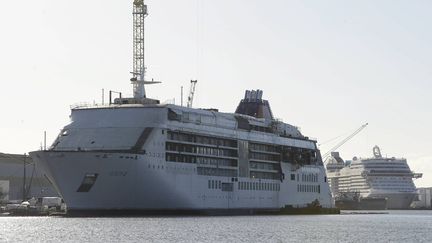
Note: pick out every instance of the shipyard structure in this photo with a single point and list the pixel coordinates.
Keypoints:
(20, 179)
(424, 200)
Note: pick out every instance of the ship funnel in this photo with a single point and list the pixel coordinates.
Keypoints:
(254, 105)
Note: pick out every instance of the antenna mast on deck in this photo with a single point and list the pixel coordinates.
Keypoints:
(139, 69)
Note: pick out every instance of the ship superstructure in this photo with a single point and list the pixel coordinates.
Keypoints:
(137, 154)
(377, 177)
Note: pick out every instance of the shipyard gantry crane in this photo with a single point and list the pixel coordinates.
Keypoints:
(191, 93)
(344, 141)
(139, 68)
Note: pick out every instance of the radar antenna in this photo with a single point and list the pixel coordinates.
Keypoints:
(139, 68)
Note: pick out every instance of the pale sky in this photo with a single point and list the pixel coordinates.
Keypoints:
(325, 66)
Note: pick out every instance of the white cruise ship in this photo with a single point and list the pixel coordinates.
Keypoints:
(373, 178)
(136, 154)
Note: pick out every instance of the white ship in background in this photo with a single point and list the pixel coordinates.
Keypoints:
(373, 178)
(138, 155)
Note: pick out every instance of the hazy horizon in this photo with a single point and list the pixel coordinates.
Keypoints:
(327, 67)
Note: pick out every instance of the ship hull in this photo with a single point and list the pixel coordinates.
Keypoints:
(134, 184)
(362, 204)
(397, 200)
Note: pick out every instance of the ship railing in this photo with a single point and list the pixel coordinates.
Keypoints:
(83, 105)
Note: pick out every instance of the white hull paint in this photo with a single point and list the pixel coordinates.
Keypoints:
(139, 183)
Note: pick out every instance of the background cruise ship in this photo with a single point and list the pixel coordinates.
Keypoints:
(137, 154)
(377, 177)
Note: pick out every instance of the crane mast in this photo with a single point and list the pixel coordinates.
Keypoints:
(139, 69)
(191, 93)
(344, 141)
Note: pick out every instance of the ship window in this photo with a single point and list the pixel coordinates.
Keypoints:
(325, 178)
(209, 184)
(87, 183)
(293, 177)
(227, 187)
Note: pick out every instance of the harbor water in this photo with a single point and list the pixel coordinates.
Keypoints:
(391, 226)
